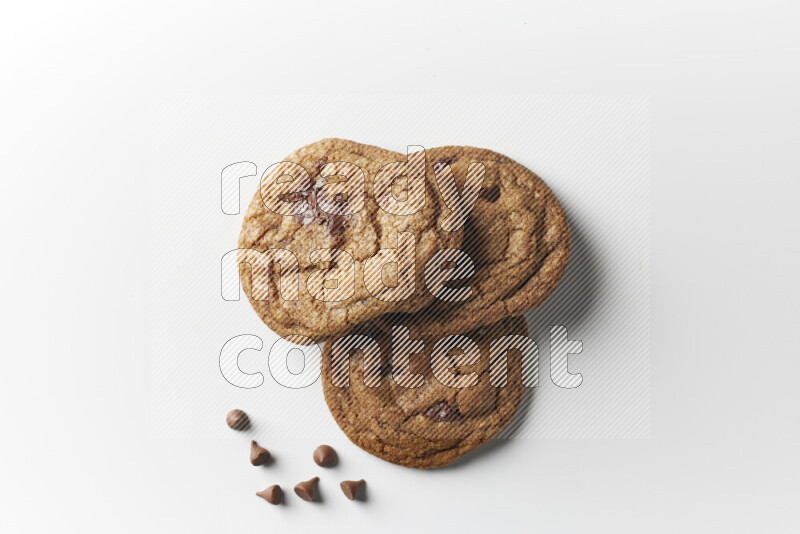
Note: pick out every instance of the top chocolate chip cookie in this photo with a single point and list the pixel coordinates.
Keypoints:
(516, 236)
(339, 233)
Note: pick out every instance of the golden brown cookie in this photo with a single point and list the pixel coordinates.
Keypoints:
(322, 202)
(516, 235)
(427, 410)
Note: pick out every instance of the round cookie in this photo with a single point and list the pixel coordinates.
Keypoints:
(517, 237)
(321, 219)
(436, 422)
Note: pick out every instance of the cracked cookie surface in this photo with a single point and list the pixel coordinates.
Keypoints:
(433, 424)
(516, 235)
(315, 223)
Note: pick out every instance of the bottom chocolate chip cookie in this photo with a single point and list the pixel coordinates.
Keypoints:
(425, 407)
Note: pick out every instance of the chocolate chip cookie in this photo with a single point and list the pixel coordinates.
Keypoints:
(326, 210)
(425, 407)
(516, 235)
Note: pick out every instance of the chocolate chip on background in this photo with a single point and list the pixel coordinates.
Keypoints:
(307, 490)
(351, 488)
(442, 412)
(258, 454)
(325, 456)
(237, 420)
(273, 494)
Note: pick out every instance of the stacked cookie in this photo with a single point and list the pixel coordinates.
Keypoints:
(406, 374)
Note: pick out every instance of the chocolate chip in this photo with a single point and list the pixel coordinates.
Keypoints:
(441, 162)
(334, 224)
(307, 490)
(491, 194)
(293, 196)
(258, 455)
(351, 488)
(387, 370)
(325, 456)
(237, 420)
(301, 218)
(273, 494)
(442, 412)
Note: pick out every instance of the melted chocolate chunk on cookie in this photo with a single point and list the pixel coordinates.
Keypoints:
(305, 217)
(321, 162)
(442, 162)
(387, 370)
(492, 194)
(294, 196)
(442, 412)
(334, 224)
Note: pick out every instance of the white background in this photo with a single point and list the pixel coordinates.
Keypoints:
(79, 84)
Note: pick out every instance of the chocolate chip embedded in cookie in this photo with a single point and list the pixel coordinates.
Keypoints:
(516, 236)
(460, 402)
(340, 209)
